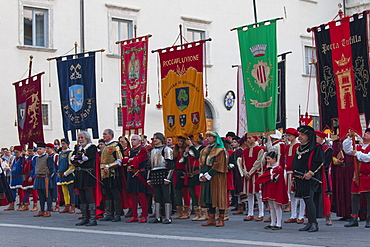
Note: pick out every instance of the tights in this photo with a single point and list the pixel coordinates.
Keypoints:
(276, 213)
(86, 196)
(68, 193)
(43, 199)
(310, 208)
(182, 193)
(356, 203)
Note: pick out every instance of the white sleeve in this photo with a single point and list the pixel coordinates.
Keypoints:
(363, 157)
(347, 146)
(269, 146)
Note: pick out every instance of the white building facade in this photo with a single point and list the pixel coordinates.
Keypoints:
(49, 28)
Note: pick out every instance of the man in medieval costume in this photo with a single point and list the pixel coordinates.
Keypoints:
(110, 160)
(307, 165)
(213, 169)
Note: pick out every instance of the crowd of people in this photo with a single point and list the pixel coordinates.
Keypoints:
(299, 171)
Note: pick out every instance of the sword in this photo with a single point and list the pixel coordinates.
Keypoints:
(302, 174)
(92, 175)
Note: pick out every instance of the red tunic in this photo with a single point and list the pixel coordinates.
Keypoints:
(249, 156)
(282, 152)
(274, 185)
(364, 185)
(229, 175)
(289, 156)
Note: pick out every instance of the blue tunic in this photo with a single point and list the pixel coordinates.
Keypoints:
(40, 178)
(63, 166)
(16, 173)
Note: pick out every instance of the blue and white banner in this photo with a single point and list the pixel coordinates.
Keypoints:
(77, 88)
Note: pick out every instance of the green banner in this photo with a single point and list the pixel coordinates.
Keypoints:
(258, 52)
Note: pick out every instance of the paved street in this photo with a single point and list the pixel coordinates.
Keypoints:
(21, 229)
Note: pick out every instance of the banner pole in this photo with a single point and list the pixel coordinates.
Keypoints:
(52, 58)
(256, 23)
(174, 47)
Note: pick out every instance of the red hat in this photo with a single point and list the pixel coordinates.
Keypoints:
(292, 131)
(255, 137)
(320, 134)
(49, 145)
(19, 148)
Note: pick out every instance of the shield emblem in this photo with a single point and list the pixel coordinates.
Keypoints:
(261, 72)
(182, 98)
(171, 120)
(195, 117)
(182, 120)
(21, 111)
(76, 97)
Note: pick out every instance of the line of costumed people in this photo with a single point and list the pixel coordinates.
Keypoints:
(310, 176)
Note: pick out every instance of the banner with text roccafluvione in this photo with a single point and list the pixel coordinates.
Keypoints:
(258, 52)
(182, 90)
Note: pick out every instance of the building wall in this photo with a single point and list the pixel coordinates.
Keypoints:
(161, 19)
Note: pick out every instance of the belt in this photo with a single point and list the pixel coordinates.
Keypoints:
(135, 170)
(345, 165)
(17, 176)
(78, 168)
(42, 176)
(363, 174)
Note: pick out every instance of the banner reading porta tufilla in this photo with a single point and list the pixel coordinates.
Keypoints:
(182, 90)
(258, 52)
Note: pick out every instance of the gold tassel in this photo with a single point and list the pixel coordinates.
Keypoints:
(148, 99)
(45, 120)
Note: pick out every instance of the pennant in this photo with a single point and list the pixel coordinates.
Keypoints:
(134, 57)
(29, 110)
(242, 117)
(258, 52)
(182, 90)
(343, 74)
(77, 89)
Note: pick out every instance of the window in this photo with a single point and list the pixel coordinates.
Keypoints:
(35, 27)
(46, 116)
(194, 35)
(310, 54)
(119, 116)
(121, 30)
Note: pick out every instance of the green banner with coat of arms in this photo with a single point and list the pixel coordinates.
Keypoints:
(258, 52)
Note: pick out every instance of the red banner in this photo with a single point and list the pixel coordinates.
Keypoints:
(29, 114)
(182, 90)
(134, 57)
(348, 113)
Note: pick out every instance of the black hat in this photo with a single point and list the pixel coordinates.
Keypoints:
(64, 140)
(310, 132)
(101, 140)
(230, 133)
(41, 145)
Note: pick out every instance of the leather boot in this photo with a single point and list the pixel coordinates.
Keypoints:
(117, 211)
(25, 207)
(221, 221)
(157, 218)
(10, 207)
(39, 214)
(211, 220)
(180, 210)
(306, 227)
(203, 214)
(329, 222)
(288, 208)
(314, 227)
(47, 214)
(66, 209)
(109, 215)
(85, 219)
(168, 211)
(35, 208)
(352, 222)
(186, 213)
(240, 210)
(92, 220)
(226, 214)
(197, 213)
(56, 209)
(367, 224)
(72, 209)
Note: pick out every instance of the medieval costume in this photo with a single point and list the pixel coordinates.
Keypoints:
(111, 158)
(252, 167)
(27, 183)
(309, 158)
(274, 190)
(295, 217)
(16, 175)
(213, 169)
(161, 170)
(6, 195)
(44, 180)
(66, 178)
(361, 184)
(56, 191)
(84, 160)
(137, 186)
